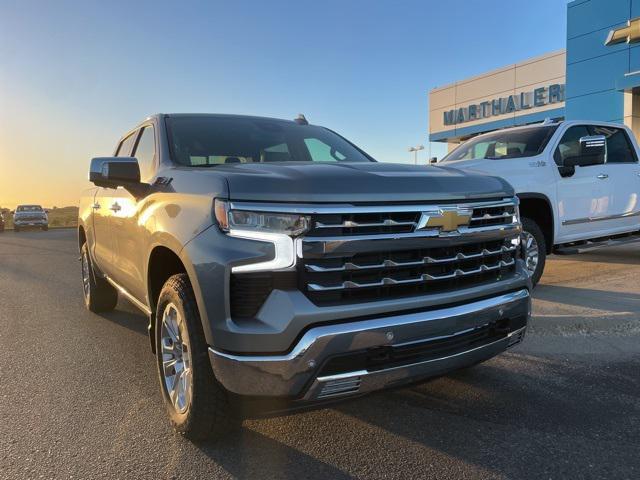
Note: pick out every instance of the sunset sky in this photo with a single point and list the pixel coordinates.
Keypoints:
(75, 75)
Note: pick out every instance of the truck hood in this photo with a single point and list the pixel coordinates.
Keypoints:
(492, 167)
(356, 182)
(474, 163)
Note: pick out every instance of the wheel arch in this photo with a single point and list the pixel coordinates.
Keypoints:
(537, 207)
(82, 236)
(163, 262)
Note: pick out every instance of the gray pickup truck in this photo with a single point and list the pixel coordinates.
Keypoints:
(281, 267)
(30, 216)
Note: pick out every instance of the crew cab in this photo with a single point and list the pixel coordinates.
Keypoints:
(578, 183)
(282, 267)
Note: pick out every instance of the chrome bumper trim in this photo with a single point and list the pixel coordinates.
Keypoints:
(362, 381)
(287, 375)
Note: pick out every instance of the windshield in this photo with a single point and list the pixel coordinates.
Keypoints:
(209, 141)
(29, 208)
(523, 142)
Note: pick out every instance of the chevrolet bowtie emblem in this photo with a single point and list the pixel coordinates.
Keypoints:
(447, 220)
(628, 34)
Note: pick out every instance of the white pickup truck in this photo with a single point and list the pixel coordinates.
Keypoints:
(578, 183)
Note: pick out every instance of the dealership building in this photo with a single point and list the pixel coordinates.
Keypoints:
(596, 77)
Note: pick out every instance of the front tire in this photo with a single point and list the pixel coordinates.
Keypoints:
(534, 249)
(198, 406)
(45, 228)
(99, 295)
(16, 229)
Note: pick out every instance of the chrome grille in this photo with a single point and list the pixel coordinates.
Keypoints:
(365, 223)
(365, 220)
(363, 277)
(343, 261)
(339, 386)
(492, 215)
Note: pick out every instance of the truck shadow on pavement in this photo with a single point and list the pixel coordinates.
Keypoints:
(557, 415)
(251, 454)
(589, 298)
(624, 256)
(127, 316)
(568, 420)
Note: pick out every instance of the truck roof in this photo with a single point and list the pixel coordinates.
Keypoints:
(557, 123)
(217, 115)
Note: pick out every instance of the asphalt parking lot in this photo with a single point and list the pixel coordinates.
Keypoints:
(80, 398)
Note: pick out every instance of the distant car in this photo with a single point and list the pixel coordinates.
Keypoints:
(1, 221)
(30, 216)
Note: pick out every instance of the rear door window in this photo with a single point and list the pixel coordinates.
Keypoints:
(619, 148)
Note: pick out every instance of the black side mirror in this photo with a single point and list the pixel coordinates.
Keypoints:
(433, 160)
(113, 172)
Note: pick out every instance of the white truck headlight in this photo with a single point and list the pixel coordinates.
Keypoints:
(516, 214)
(280, 229)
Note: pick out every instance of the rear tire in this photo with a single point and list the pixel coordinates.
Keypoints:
(45, 228)
(533, 249)
(16, 229)
(198, 406)
(99, 295)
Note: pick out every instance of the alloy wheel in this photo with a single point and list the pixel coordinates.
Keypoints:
(86, 276)
(176, 359)
(530, 251)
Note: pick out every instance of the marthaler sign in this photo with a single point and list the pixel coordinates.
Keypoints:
(500, 106)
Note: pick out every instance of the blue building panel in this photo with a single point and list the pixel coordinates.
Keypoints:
(634, 58)
(606, 106)
(596, 74)
(586, 17)
(592, 45)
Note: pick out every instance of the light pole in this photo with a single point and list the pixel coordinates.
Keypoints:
(415, 151)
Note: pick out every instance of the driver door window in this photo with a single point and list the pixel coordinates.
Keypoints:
(145, 153)
(124, 150)
(569, 146)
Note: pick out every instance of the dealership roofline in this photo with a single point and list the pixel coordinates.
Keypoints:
(496, 71)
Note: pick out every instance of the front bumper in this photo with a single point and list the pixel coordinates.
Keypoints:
(39, 222)
(299, 375)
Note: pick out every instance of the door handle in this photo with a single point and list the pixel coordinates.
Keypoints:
(603, 176)
(96, 206)
(115, 207)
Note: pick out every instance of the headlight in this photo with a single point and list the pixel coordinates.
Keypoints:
(280, 229)
(516, 214)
